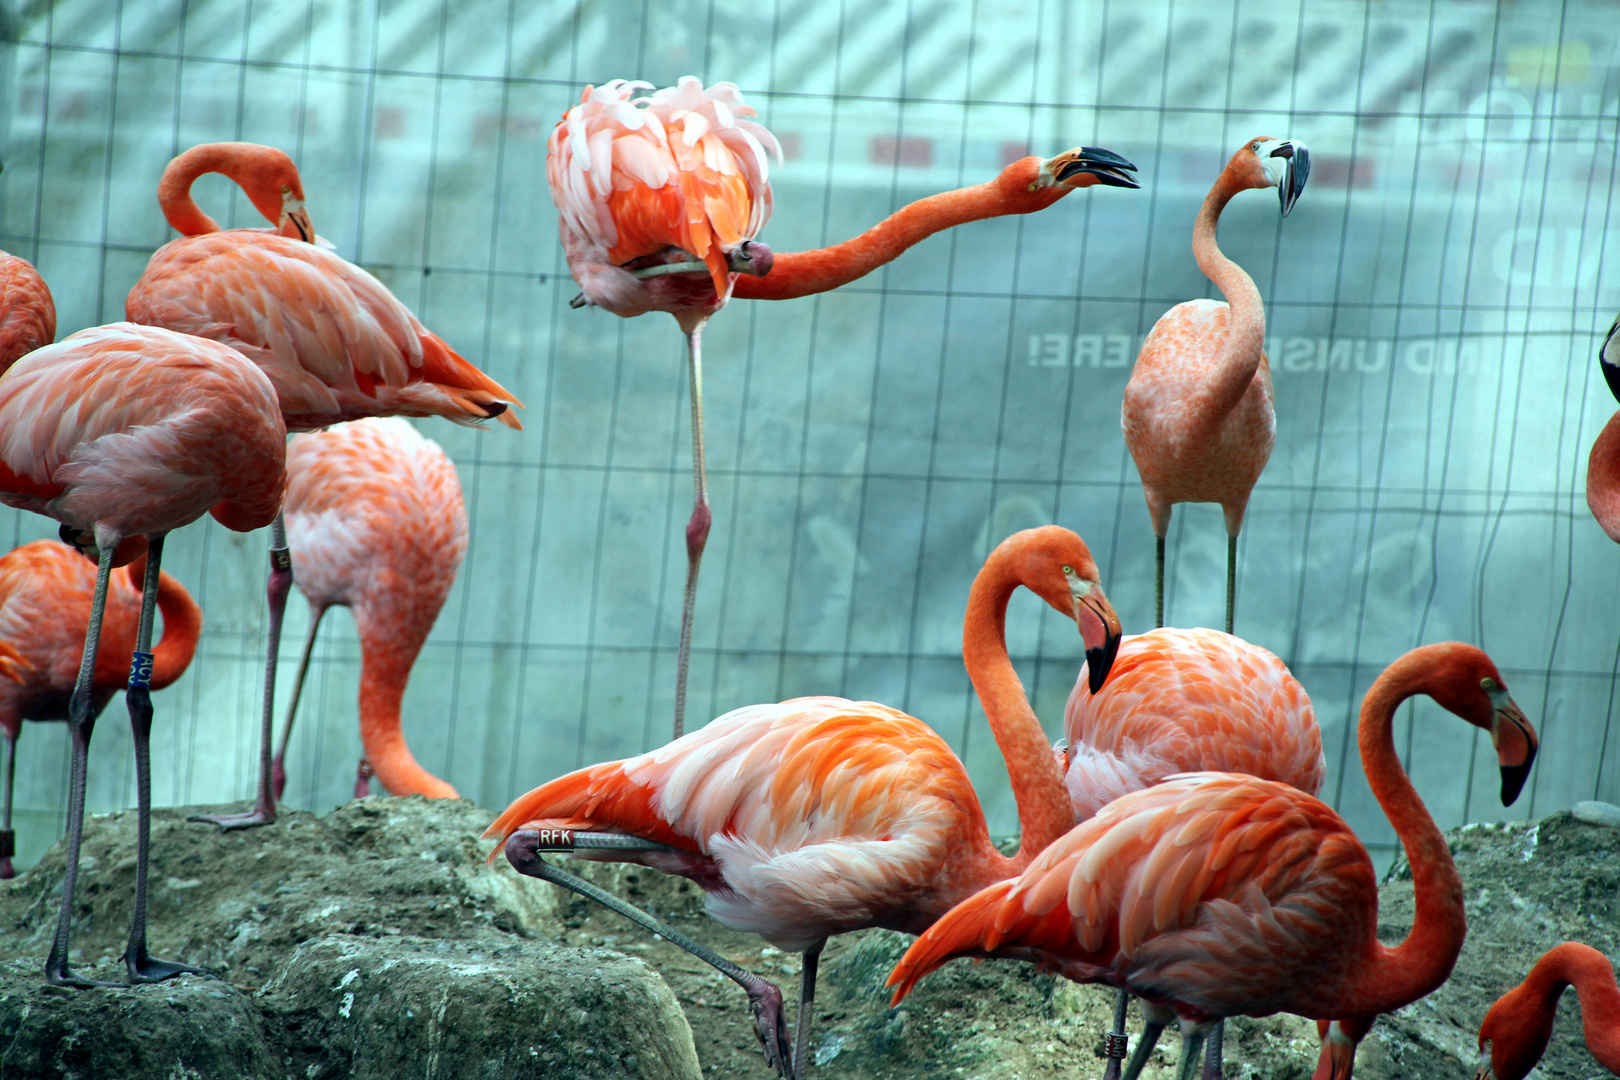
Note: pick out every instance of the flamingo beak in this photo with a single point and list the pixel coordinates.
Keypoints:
(750, 257)
(1108, 167)
(295, 222)
(1287, 163)
(1099, 629)
(1609, 359)
(1483, 1072)
(1515, 741)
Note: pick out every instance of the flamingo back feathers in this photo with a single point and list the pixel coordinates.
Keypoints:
(27, 312)
(1188, 701)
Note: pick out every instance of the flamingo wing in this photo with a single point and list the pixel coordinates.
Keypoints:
(27, 312)
(819, 814)
(1220, 893)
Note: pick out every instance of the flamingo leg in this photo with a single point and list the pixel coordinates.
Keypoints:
(697, 528)
(362, 778)
(1192, 1043)
(807, 998)
(1158, 581)
(1231, 580)
(1212, 1055)
(523, 852)
(143, 968)
(281, 579)
(278, 766)
(81, 721)
(1151, 1029)
(8, 837)
(1116, 1041)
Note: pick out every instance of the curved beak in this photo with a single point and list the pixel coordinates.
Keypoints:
(1483, 1072)
(750, 257)
(1099, 629)
(1108, 167)
(1609, 359)
(295, 223)
(1516, 743)
(1288, 161)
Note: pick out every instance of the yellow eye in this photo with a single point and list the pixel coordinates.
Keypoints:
(1487, 683)
(1068, 569)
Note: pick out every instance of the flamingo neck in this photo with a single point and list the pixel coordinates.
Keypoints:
(1420, 963)
(801, 273)
(1240, 353)
(1590, 973)
(1603, 478)
(387, 654)
(1044, 810)
(182, 626)
(174, 190)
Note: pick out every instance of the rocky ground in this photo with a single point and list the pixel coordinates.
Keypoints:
(377, 942)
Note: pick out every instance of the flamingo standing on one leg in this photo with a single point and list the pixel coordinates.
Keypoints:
(124, 433)
(1197, 414)
(1181, 701)
(818, 816)
(376, 523)
(336, 344)
(46, 589)
(1603, 467)
(660, 199)
(1217, 894)
(27, 312)
(1520, 1024)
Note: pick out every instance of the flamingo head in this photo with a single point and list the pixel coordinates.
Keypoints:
(1609, 359)
(1470, 686)
(1513, 1036)
(1339, 1041)
(270, 179)
(1056, 565)
(1280, 163)
(1088, 165)
(84, 542)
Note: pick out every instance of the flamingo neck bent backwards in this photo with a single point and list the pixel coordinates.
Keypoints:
(391, 648)
(1240, 353)
(266, 175)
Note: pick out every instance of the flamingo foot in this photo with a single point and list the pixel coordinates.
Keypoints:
(57, 973)
(362, 779)
(261, 814)
(145, 968)
(770, 1025)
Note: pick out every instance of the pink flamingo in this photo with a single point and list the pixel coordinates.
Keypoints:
(336, 344)
(660, 199)
(46, 590)
(1520, 1024)
(818, 816)
(1197, 415)
(1603, 467)
(123, 433)
(27, 312)
(376, 523)
(1181, 701)
(1216, 894)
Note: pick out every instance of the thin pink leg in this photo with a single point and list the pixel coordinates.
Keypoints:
(8, 837)
(278, 766)
(697, 528)
(362, 779)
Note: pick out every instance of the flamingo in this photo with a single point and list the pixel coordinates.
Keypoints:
(45, 592)
(818, 816)
(123, 433)
(1217, 894)
(376, 523)
(335, 343)
(27, 311)
(660, 199)
(1182, 701)
(1603, 467)
(1518, 1026)
(1197, 414)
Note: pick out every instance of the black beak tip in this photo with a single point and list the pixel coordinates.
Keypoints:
(1106, 157)
(493, 409)
(1513, 778)
(1099, 662)
(1107, 174)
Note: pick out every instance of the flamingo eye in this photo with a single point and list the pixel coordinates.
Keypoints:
(1487, 684)
(1068, 569)
(1255, 148)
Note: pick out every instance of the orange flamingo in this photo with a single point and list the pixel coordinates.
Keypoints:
(1182, 701)
(375, 519)
(123, 433)
(1217, 894)
(45, 592)
(1197, 415)
(660, 199)
(1519, 1025)
(27, 311)
(336, 344)
(818, 816)
(1603, 467)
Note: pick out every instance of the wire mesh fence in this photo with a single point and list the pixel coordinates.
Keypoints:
(1434, 303)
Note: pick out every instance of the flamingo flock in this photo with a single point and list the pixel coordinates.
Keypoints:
(1172, 845)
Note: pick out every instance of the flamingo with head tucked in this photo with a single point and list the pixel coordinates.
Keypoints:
(123, 433)
(660, 200)
(1197, 415)
(335, 343)
(1217, 894)
(819, 816)
(1517, 1028)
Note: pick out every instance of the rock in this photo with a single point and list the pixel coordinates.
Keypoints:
(448, 979)
(1593, 812)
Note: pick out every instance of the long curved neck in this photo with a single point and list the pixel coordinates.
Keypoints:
(1603, 478)
(174, 190)
(385, 668)
(1590, 973)
(1044, 810)
(801, 273)
(1246, 320)
(1399, 975)
(182, 626)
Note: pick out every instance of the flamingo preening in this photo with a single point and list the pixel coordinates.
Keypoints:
(1197, 415)
(376, 524)
(1217, 894)
(46, 589)
(819, 816)
(27, 311)
(123, 433)
(660, 200)
(1603, 466)
(1516, 1030)
(335, 343)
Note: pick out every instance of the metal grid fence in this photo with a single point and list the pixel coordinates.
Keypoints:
(1434, 304)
